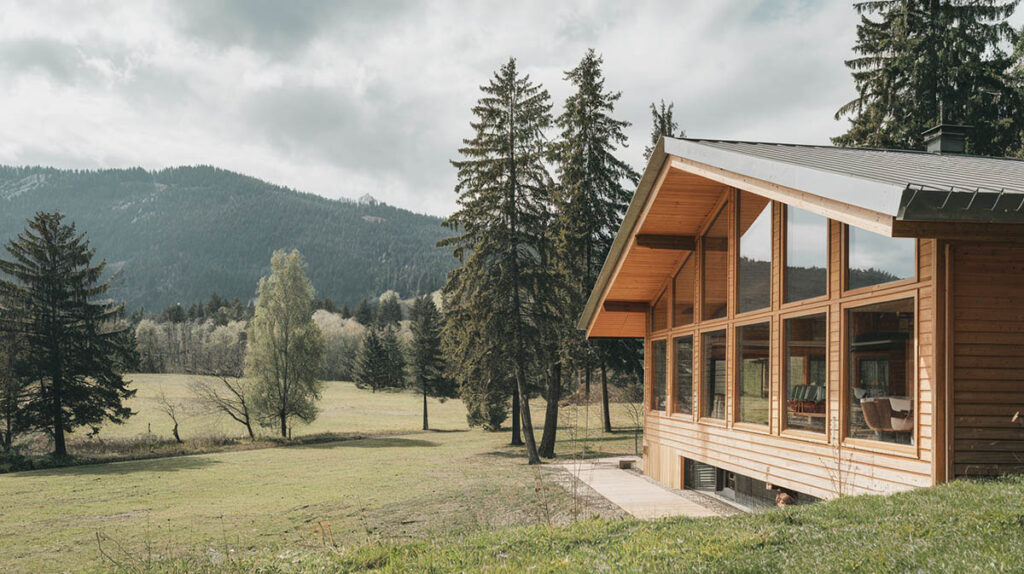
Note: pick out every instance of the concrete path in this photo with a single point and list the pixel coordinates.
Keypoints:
(634, 493)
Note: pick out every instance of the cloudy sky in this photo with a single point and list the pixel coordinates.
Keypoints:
(347, 98)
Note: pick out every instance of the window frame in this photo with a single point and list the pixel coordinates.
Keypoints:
(737, 376)
(784, 261)
(726, 209)
(650, 402)
(827, 435)
(844, 279)
(736, 254)
(699, 415)
(869, 445)
(675, 412)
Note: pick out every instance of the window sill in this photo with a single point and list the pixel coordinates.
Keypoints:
(712, 422)
(867, 445)
(684, 417)
(881, 287)
(751, 428)
(805, 435)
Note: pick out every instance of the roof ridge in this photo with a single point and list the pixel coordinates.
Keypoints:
(853, 149)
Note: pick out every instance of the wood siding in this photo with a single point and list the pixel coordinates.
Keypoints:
(987, 338)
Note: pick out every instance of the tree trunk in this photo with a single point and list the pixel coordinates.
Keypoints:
(425, 425)
(284, 425)
(554, 394)
(248, 427)
(517, 439)
(174, 431)
(524, 410)
(604, 398)
(60, 448)
(586, 384)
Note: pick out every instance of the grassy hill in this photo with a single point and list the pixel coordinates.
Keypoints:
(181, 234)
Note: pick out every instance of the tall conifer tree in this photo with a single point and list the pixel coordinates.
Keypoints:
(920, 62)
(76, 346)
(426, 360)
(662, 124)
(502, 288)
(592, 197)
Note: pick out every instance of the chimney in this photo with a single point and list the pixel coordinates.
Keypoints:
(946, 138)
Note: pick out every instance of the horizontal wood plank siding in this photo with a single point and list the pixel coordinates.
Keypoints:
(988, 358)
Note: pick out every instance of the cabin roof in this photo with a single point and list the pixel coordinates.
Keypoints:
(885, 191)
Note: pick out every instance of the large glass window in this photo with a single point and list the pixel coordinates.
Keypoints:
(806, 254)
(715, 254)
(712, 354)
(658, 374)
(880, 356)
(659, 313)
(806, 374)
(755, 266)
(685, 283)
(684, 374)
(875, 259)
(754, 343)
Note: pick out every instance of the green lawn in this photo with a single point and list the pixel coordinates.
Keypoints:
(961, 527)
(407, 485)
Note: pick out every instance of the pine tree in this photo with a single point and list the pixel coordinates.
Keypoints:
(662, 124)
(389, 311)
(592, 198)
(364, 313)
(285, 347)
(14, 388)
(502, 228)
(380, 363)
(427, 361)
(921, 62)
(76, 346)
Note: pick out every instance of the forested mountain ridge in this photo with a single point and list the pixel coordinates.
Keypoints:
(180, 234)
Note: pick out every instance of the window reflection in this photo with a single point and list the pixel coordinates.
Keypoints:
(713, 375)
(754, 381)
(876, 259)
(755, 265)
(714, 248)
(684, 374)
(806, 375)
(806, 254)
(658, 358)
(880, 359)
(685, 283)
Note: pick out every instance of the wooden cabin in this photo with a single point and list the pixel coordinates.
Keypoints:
(822, 320)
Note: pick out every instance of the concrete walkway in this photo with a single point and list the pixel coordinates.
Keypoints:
(634, 493)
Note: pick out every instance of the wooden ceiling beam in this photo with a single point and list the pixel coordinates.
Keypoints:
(666, 242)
(626, 306)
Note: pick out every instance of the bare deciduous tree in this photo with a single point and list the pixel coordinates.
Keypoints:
(231, 396)
(173, 410)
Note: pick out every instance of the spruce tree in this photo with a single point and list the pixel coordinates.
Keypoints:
(394, 359)
(594, 189)
(389, 311)
(75, 345)
(380, 362)
(921, 62)
(426, 359)
(662, 124)
(501, 229)
(364, 313)
(285, 348)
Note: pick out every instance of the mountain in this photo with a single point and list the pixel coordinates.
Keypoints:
(181, 234)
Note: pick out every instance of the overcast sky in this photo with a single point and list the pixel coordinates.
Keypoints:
(347, 98)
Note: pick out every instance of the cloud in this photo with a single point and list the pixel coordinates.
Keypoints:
(347, 98)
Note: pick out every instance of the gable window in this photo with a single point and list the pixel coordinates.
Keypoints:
(755, 265)
(715, 257)
(753, 379)
(685, 285)
(658, 374)
(875, 259)
(659, 313)
(806, 374)
(806, 254)
(684, 374)
(880, 362)
(713, 387)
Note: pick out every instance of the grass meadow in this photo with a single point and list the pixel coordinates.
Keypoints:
(400, 485)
